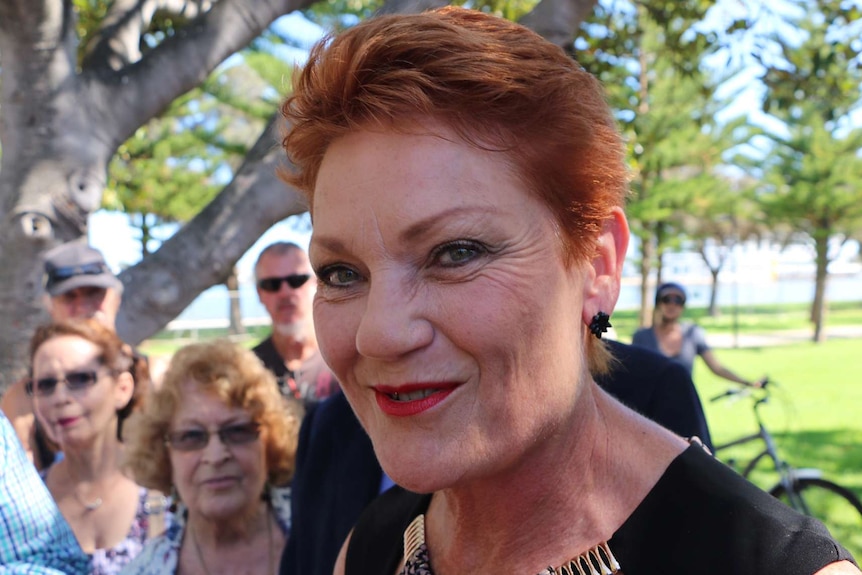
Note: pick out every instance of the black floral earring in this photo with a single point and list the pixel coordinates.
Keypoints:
(600, 324)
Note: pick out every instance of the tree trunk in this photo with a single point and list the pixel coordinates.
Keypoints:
(234, 307)
(713, 294)
(62, 122)
(818, 307)
(647, 255)
(60, 127)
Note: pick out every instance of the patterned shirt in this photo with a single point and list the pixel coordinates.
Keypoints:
(161, 555)
(34, 537)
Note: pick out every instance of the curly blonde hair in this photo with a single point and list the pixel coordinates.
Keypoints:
(237, 377)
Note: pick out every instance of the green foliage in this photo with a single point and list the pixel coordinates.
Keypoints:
(176, 164)
(90, 14)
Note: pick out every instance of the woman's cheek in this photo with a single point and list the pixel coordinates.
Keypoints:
(336, 335)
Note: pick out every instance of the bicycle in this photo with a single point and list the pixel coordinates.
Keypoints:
(805, 490)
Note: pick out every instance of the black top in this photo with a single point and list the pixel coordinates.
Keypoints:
(701, 517)
(656, 387)
(311, 383)
(337, 473)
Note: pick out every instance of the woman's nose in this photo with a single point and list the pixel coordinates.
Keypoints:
(215, 450)
(394, 322)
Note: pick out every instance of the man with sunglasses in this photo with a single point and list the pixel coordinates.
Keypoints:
(78, 283)
(681, 341)
(285, 286)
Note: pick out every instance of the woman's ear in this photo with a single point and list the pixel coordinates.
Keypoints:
(124, 389)
(602, 285)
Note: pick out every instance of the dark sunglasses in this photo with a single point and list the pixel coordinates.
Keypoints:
(74, 380)
(295, 281)
(197, 439)
(675, 299)
(57, 275)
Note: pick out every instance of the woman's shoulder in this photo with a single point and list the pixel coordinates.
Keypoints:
(280, 500)
(158, 557)
(376, 543)
(702, 512)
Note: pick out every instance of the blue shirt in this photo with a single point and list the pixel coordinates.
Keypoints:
(34, 537)
(693, 344)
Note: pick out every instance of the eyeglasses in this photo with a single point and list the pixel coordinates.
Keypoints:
(197, 439)
(74, 380)
(295, 281)
(672, 299)
(57, 275)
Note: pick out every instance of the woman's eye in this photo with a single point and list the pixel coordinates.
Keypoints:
(338, 276)
(457, 253)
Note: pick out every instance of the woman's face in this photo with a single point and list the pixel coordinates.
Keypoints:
(671, 304)
(76, 418)
(218, 481)
(444, 307)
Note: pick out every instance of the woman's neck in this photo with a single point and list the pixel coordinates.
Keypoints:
(579, 491)
(96, 462)
(240, 530)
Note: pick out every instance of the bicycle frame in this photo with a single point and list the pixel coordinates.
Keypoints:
(786, 473)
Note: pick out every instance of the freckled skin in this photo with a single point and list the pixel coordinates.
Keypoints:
(436, 265)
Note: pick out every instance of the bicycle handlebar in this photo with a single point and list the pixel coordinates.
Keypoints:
(742, 391)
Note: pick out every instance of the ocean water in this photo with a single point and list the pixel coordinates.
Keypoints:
(212, 305)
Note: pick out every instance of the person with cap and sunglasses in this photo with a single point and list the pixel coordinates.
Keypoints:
(286, 286)
(681, 341)
(78, 284)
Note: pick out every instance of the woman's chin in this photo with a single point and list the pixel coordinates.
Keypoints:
(226, 507)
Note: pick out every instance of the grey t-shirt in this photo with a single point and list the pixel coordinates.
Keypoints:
(693, 343)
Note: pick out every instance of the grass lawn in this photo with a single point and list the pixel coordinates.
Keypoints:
(751, 319)
(815, 411)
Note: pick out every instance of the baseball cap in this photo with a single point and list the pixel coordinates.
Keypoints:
(75, 264)
(669, 286)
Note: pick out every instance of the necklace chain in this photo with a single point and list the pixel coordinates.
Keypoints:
(87, 506)
(270, 556)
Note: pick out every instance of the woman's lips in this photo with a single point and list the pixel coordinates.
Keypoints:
(220, 482)
(407, 400)
(66, 421)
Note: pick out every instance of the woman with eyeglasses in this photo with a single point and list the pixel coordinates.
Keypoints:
(83, 390)
(681, 341)
(222, 439)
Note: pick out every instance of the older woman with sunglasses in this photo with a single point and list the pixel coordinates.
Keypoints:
(681, 341)
(221, 438)
(83, 390)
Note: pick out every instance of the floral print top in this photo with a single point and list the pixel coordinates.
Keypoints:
(111, 561)
(160, 555)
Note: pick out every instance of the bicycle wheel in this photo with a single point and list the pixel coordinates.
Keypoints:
(837, 507)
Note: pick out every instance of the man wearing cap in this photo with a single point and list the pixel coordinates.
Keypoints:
(78, 283)
(680, 341)
(285, 286)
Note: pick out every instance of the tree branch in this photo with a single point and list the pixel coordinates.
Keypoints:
(558, 20)
(118, 41)
(202, 254)
(125, 99)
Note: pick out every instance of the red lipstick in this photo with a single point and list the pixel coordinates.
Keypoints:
(411, 399)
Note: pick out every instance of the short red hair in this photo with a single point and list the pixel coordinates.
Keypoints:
(498, 85)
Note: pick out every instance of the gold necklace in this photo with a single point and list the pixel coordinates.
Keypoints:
(270, 555)
(599, 559)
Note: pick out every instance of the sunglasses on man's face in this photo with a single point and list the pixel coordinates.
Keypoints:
(197, 439)
(672, 299)
(74, 380)
(57, 275)
(295, 281)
